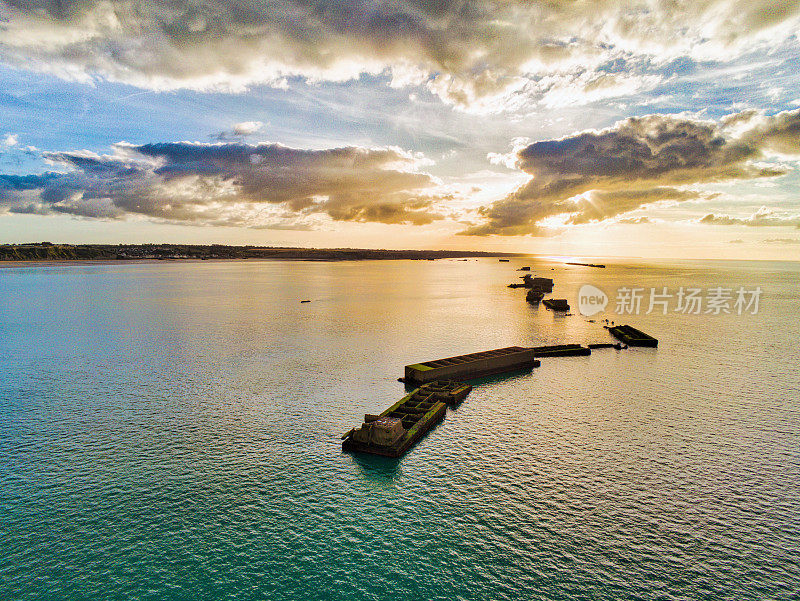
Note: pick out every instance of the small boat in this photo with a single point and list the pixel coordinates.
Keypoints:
(305, 301)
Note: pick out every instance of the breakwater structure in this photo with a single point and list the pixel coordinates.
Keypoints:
(537, 283)
(488, 363)
(631, 336)
(534, 283)
(396, 430)
(543, 284)
(534, 296)
(439, 385)
(561, 350)
(601, 266)
(557, 304)
(473, 365)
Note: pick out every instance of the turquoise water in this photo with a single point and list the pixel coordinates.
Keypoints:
(171, 431)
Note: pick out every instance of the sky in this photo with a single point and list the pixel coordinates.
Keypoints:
(596, 129)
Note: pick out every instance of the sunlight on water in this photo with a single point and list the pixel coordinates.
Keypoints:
(171, 431)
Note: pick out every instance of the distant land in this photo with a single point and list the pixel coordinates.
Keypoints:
(588, 264)
(46, 251)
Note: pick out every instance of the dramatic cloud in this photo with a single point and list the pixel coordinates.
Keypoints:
(764, 217)
(468, 52)
(594, 175)
(264, 185)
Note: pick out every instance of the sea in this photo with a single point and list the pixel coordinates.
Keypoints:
(171, 430)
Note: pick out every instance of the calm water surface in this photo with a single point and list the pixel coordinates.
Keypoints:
(171, 431)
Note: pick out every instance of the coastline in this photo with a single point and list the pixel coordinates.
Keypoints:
(17, 255)
(5, 264)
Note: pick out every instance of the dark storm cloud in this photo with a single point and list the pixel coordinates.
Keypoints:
(232, 184)
(594, 175)
(464, 50)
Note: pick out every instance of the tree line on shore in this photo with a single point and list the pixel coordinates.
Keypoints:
(46, 251)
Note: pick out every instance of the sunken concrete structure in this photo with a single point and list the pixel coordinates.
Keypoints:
(542, 284)
(474, 365)
(396, 430)
(557, 304)
(450, 392)
(617, 345)
(534, 296)
(589, 265)
(538, 284)
(381, 431)
(632, 337)
(561, 350)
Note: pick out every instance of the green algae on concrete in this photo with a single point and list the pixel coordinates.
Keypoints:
(473, 365)
(419, 411)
